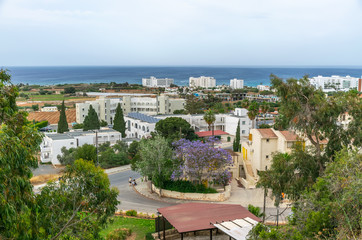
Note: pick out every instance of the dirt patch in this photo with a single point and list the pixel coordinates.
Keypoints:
(44, 178)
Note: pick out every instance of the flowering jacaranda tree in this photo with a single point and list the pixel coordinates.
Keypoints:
(201, 161)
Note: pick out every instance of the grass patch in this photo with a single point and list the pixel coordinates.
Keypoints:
(140, 227)
(187, 187)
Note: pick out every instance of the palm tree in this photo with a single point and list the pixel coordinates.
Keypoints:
(264, 107)
(245, 103)
(209, 118)
(253, 111)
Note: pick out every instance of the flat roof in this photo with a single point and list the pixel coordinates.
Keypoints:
(189, 217)
(143, 117)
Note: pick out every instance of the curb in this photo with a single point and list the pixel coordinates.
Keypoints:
(159, 200)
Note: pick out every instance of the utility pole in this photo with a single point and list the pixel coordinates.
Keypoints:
(266, 168)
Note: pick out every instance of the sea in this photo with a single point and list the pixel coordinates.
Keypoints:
(252, 76)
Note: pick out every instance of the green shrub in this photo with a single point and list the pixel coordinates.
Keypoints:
(186, 187)
(119, 234)
(255, 210)
(131, 213)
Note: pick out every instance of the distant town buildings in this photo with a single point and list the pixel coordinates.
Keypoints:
(150, 105)
(52, 143)
(49, 109)
(263, 88)
(153, 82)
(336, 83)
(204, 82)
(236, 83)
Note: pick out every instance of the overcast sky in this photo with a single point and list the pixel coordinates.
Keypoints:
(180, 32)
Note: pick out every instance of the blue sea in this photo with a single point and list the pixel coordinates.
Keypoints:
(104, 74)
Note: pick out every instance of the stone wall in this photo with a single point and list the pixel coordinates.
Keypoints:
(212, 197)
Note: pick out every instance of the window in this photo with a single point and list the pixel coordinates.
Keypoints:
(72, 143)
(267, 140)
(243, 122)
(242, 131)
(289, 144)
(267, 156)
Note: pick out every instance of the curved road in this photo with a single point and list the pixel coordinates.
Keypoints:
(131, 199)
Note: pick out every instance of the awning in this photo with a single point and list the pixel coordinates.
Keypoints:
(237, 229)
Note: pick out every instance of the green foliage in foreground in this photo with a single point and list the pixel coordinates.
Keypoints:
(141, 227)
(119, 234)
(187, 187)
(255, 210)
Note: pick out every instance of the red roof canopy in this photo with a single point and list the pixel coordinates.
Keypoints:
(189, 217)
(209, 133)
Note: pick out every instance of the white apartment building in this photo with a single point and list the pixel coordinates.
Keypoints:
(52, 143)
(150, 105)
(225, 122)
(204, 82)
(236, 83)
(335, 83)
(153, 82)
(139, 125)
(263, 88)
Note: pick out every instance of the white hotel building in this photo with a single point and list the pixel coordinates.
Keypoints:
(150, 105)
(153, 82)
(52, 143)
(204, 82)
(236, 83)
(140, 125)
(335, 83)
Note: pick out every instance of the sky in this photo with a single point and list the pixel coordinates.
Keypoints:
(181, 32)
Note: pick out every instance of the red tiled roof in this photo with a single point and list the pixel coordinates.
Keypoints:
(289, 135)
(209, 133)
(267, 133)
(190, 217)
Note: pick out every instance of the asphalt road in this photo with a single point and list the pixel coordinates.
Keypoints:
(131, 199)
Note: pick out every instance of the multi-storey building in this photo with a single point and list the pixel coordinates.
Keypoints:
(204, 82)
(157, 82)
(258, 150)
(335, 83)
(150, 105)
(236, 83)
(263, 88)
(225, 122)
(52, 143)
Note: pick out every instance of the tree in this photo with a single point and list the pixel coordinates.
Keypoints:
(309, 111)
(19, 141)
(236, 143)
(201, 161)
(245, 103)
(68, 90)
(103, 123)
(62, 123)
(35, 107)
(91, 121)
(78, 206)
(156, 160)
(174, 128)
(193, 104)
(264, 107)
(209, 118)
(118, 123)
(253, 111)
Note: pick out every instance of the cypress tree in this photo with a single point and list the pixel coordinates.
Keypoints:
(118, 123)
(237, 139)
(62, 123)
(91, 121)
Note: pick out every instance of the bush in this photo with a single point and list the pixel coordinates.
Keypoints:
(132, 213)
(119, 234)
(255, 210)
(186, 187)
